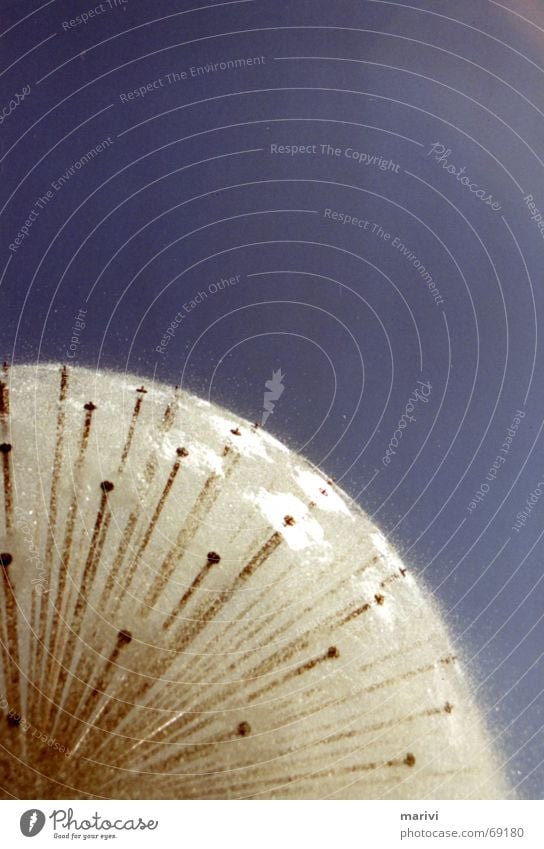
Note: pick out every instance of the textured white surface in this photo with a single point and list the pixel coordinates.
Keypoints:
(307, 662)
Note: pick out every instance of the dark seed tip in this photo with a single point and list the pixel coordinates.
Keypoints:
(106, 486)
(244, 729)
(213, 557)
(5, 448)
(5, 559)
(124, 637)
